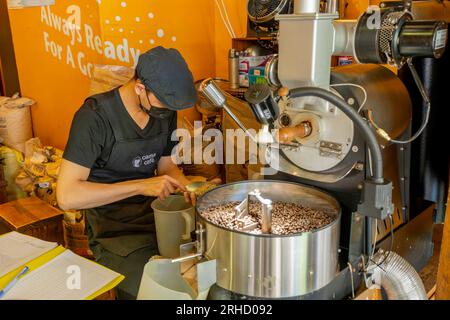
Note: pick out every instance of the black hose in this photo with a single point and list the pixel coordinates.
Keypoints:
(370, 138)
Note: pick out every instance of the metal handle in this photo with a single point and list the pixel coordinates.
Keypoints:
(213, 93)
(217, 98)
(188, 221)
(187, 258)
(239, 123)
(242, 210)
(200, 245)
(266, 221)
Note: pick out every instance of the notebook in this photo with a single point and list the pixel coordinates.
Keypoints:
(57, 274)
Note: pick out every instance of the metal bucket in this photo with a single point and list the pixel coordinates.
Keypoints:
(272, 266)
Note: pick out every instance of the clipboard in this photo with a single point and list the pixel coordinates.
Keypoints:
(49, 256)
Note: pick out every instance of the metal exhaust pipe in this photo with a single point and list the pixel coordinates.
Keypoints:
(397, 277)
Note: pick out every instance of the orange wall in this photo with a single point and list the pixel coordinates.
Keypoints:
(355, 8)
(237, 12)
(60, 88)
(193, 27)
(186, 25)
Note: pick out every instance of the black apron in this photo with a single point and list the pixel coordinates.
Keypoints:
(128, 225)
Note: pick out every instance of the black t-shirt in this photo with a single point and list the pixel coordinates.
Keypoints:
(91, 137)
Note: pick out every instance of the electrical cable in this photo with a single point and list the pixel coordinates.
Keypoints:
(374, 244)
(391, 224)
(223, 19)
(351, 278)
(357, 86)
(420, 131)
(364, 271)
(228, 18)
(370, 117)
(381, 132)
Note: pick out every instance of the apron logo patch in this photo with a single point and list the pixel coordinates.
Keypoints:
(144, 160)
(137, 162)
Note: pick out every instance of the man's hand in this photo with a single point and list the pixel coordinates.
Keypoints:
(161, 187)
(192, 196)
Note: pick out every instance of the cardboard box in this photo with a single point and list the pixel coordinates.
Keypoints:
(257, 76)
(246, 64)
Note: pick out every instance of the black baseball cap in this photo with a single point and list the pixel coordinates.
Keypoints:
(166, 74)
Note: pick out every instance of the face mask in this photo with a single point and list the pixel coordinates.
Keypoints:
(160, 113)
(157, 113)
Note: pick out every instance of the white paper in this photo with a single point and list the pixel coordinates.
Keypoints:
(441, 39)
(54, 280)
(18, 4)
(17, 249)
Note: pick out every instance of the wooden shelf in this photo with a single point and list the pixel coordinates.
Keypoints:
(255, 38)
(241, 44)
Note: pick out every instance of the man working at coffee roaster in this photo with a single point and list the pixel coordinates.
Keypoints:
(118, 160)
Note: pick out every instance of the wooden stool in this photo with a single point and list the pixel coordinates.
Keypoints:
(33, 217)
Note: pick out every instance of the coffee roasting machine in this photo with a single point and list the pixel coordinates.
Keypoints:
(344, 147)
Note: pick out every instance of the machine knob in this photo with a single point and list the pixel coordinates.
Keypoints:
(283, 92)
(301, 131)
(263, 105)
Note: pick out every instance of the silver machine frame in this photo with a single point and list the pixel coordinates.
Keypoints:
(337, 163)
